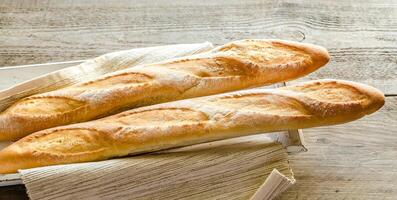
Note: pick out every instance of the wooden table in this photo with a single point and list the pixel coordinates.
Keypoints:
(357, 160)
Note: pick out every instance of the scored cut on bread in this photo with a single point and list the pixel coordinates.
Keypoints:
(233, 66)
(192, 121)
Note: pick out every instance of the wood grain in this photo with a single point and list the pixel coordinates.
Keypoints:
(361, 36)
(351, 161)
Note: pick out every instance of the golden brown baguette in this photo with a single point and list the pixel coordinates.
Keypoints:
(233, 66)
(192, 121)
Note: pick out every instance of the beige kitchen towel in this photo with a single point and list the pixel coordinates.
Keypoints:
(89, 69)
(229, 169)
(275, 184)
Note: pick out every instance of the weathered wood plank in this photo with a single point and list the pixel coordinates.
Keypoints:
(361, 36)
(351, 161)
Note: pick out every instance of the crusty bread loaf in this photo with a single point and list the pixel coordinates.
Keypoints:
(192, 121)
(233, 66)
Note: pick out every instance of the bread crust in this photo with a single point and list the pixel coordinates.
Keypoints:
(233, 66)
(192, 121)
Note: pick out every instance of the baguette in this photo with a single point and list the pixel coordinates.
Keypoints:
(233, 66)
(193, 121)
